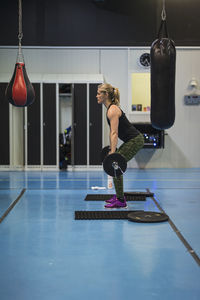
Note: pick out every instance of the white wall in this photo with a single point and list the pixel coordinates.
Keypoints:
(182, 143)
(65, 113)
(17, 137)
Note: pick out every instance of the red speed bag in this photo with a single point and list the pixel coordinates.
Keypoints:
(20, 91)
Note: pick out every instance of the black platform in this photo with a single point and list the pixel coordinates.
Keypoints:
(140, 216)
(130, 196)
(103, 215)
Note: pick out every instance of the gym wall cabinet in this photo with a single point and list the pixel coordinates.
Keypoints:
(30, 135)
(42, 123)
(95, 127)
(41, 128)
(33, 129)
(41, 140)
(79, 128)
(87, 125)
(4, 128)
(50, 116)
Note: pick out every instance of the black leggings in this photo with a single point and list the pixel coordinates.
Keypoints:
(128, 150)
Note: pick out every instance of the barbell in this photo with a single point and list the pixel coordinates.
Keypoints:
(113, 164)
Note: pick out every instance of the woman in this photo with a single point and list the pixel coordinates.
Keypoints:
(121, 128)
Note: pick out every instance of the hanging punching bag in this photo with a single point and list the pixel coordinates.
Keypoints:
(19, 91)
(163, 65)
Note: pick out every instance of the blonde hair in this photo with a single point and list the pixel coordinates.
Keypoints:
(113, 93)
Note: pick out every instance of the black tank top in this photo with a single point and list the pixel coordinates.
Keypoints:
(126, 130)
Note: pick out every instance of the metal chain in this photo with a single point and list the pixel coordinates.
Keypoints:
(20, 35)
(20, 57)
(163, 14)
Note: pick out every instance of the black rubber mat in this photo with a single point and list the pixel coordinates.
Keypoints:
(146, 194)
(130, 196)
(103, 215)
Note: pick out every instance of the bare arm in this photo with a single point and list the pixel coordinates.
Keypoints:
(113, 115)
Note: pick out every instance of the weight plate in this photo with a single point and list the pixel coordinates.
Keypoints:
(114, 158)
(147, 217)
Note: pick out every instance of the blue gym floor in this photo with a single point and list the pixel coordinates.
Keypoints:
(45, 254)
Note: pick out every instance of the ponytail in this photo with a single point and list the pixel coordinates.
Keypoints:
(116, 96)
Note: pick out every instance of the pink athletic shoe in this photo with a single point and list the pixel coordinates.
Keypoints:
(114, 197)
(117, 204)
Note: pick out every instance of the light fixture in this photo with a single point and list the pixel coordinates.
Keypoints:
(193, 84)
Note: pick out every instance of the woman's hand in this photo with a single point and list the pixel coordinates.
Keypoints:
(110, 152)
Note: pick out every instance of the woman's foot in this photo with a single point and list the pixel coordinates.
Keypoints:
(117, 204)
(114, 197)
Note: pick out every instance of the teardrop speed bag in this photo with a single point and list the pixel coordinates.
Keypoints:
(20, 91)
(163, 67)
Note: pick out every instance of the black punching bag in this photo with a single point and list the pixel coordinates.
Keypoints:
(163, 67)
